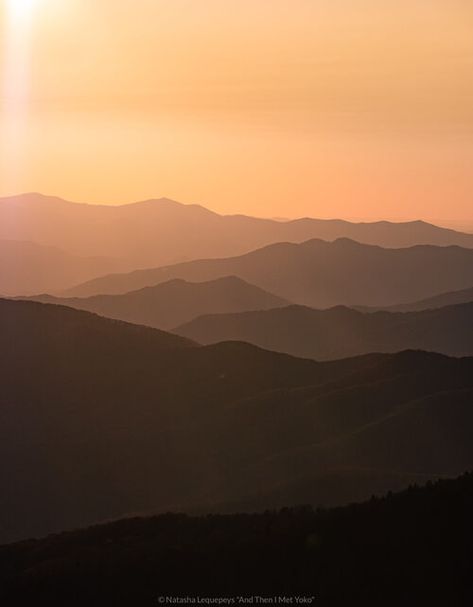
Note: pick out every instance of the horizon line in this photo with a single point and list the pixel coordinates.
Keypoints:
(444, 223)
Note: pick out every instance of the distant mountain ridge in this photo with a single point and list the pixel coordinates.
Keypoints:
(340, 332)
(431, 303)
(162, 232)
(317, 273)
(175, 302)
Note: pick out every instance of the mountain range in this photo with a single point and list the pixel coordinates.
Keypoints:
(340, 332)
(317, 273)
(161, 232)
(101, 418)
(230, 309)
(175, 302)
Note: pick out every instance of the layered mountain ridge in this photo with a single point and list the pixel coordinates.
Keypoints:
(117, 418)
(177, 301)
(161, 232)
(340, 332)
(317, 273)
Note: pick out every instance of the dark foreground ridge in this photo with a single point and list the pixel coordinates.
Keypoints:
(101, 420)
(410, 548)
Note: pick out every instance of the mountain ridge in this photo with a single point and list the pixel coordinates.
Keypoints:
(340, 331)
(143, 233)
(295, 551)
(173, 302)
(118, 418)
(437, 301)
(318, 273)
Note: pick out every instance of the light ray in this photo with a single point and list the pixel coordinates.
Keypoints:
(15, 85)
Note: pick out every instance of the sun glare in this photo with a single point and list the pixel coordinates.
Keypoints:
(15, 82)
(20, 9)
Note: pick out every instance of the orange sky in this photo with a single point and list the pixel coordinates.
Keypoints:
(347, 108)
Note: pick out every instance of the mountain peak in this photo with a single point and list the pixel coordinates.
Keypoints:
(164, 203)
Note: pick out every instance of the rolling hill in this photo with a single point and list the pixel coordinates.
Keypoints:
(317, 273)
(174, 302)
(160, 232)
(340, 332)
(100, 419)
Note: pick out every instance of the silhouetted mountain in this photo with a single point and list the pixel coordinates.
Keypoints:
(100, 419)
(319, 274)
(340, 332)
(158, 232)
(175, 302)
(411, 548)
(431, 303)
(28, 268)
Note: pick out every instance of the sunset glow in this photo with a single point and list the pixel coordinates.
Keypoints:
(236, 302)
(270, 108)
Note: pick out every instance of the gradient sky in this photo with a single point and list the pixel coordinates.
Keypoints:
(330, 108)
